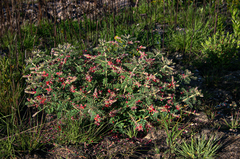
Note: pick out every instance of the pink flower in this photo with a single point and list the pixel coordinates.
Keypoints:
(164, 110)
(122, 77)
(82, 107)
(142, 54)
(59, 73)
(112, 114)
(47, 82)
(177, 107)
(142, 47)
(169, 101)
(39, 97)
(110, 63)
(88, 78)
(137, 84)
(97, 119)
(118, 61)
(152, 109)
(48, 89)
(138, 101)
(92, 69)
(61, 79)
(65, 60)
(45, 75)
(134, 108)
(43, 101)
(183, 76)
(139, 128)
(95, 95)
(130, 42)
(167, 106)
(63, 85)
(72, 89)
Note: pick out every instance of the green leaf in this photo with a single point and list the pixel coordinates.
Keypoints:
(148, 101)
(130, 90)
(105, 81)
(59, 115)
(79, 68)
(38, 91)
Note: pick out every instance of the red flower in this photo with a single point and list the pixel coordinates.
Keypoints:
(130, 42)
(167, 106)
(110, 63)
(138, 101)
(123, 77)
(61, 79)
(169, 85)
(63, 84)
(152, 109)
(177, 107)
(48, 89)
(72, 89)
(43, 101)
(82, 107)
(92, 69)
(95, 95)
(88, 56)
(139, 128)
(39, 97)
(134, 108)
(118, 61)
(59, 73)
(112, 114)
(183, 76)
(44, 74)
(89, 78)
(47, 82)
(97, 119)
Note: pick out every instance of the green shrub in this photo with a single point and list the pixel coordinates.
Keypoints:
(108, 84)
(220, 49)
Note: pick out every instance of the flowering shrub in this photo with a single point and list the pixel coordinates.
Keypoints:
(107, 84)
